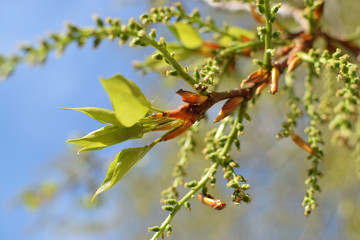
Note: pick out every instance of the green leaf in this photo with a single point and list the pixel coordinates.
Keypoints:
(236, 32)
(187, 34)
(102, 115)
(173, 30)
(107, 136)
(129, 103)
(123, 163)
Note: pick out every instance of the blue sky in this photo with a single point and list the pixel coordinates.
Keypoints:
(33, 127)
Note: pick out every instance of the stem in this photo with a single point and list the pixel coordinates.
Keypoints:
(209, 173)
(215, 29)
(239, 47)
(167, 55)
(268, 36)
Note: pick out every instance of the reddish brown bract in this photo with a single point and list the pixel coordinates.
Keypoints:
(229, 107)
(212, 202)
(274, 80)
(301, 143)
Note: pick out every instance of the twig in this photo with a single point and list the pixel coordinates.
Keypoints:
(209, 173)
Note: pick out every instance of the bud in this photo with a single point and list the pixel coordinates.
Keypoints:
(275, 9)
(187, 205)
(211, 201)
(192, 98)
(173, 73)
(141, 33)
(293, 62)
(196, 75)
(229, 107)
(261, 8)
(256, 77)
(171, 201)
(144, 16)
(191, 184)
(301, 143)
(154, 229)
(96, 42)
(167, 208)
(161, 42)
(99, 22)
(132, 24)
(157, 56)
(136, 41)
(274, 80)
(168, 230)
(232, 184)
(261, 88)
(152, 33)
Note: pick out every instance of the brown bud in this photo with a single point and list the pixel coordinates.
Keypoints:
(190, 97)
(293, 62)
(274, 80)
(256, 77)
(261, 87)
(211, 201)
(176, 132)
(229, 107)
(301, 143)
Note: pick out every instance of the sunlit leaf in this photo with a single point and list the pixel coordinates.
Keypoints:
(107, 136)
(236, 32)
(102, 115)
(187, 34)
(129, 103)
(123, 163)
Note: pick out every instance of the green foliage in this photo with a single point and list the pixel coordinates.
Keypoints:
(235, 31)
(123, 163)
(102, 115)
(187, 34)
(129, 103)
(107, 136)
(133, 115)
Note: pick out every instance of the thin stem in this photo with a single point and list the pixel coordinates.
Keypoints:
(239, 47)
(171, 60)
(268, 35)
(215, 29)
(209, 173)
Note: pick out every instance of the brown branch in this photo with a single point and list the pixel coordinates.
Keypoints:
(331, 40)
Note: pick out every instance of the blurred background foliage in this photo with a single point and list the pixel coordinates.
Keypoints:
(59, 197)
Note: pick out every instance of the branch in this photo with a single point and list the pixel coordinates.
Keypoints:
(161, 47)
(268, 35)
(208, 174)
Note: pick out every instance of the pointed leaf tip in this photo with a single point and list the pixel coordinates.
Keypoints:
(107, 136)
(129, 103)
(187, 34)
(102, 115)
(123, 163)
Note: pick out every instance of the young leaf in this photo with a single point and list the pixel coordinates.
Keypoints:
(187, 35)
(128, 101)
(107, 136)
(124, 161)
(237, 32)
(102, 115)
